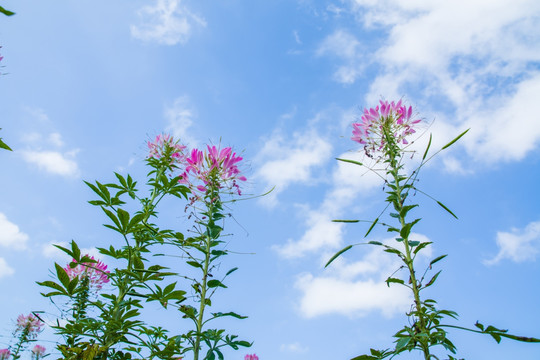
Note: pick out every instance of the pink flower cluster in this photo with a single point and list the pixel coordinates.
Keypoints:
(29, 323)
(161, 144)
(395, 118)
(38, 351)
(251, 357)
(96, 273)
(4, 353)
(210, 166)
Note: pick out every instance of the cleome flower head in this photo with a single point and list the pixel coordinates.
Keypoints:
(390, 118)
(29, 324)
(4, 353)
(95, 272)
(164, 145)
(251, 357)
(213, 167)
(38, 352)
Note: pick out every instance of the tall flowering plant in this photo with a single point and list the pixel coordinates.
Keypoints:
(107, 323)
(27, 329)
(213, 177)
(384, 132)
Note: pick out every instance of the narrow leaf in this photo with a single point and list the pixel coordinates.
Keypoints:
(433, 279)
(6, 12)
(447, 209)
(456, 139)
(438, 258)
(346, 221)
(336, 255)
(427, 148)
(372, 226)
(350, 161)
(394, 280)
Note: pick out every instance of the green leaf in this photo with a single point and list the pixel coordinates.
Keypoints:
(350, 161)
(6, 12)
(372, 226)
(447, 209)
(194, 264)
(123, 216)
(456, 139)
(403, 342)
(3, 145)
(215, 283)
(346, 221)
(427, 148)
(336, 255)
(394, 280)
(438, 258)
(233, 314)
(231, 271)
(62, 275)
(55, 286)
(421, 246)
(433, 279)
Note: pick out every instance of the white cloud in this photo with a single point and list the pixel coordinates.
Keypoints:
(10, 234)
(355, 288)
(166, 22)
(51, 252)
(5, 269)
(345, 46)
(485, 73)
(53, 162)
(179, 118)
(294, 348)
(518, 245)
(286, 160)
(347, 182)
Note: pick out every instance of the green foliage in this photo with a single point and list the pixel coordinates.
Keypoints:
(7, 13)
(427, 323)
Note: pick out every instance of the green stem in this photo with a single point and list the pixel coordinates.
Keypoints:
(213, 196)
(392, 150)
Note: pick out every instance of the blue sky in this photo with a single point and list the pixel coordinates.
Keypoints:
(85, 83)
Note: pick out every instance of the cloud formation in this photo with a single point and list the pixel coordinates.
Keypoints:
(485, 73)
(5, 269)
(167, 22)
(355, 288)
(11, 236)
(518, 245)
(179, 118)
(53, 162)
(290, 160)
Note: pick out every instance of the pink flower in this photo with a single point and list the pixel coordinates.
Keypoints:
(394, 118)
(29, 323)
(164, 144)
(251, 357)
(38, 351)
(4, 353)
(214, 167)
(95, 272)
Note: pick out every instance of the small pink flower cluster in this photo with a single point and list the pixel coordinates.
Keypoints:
(251, 357)
(393, 117)
(4, 353)
(96, 273)
(212, 165)
(29, 323)
(37, 352)
(159, 146)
